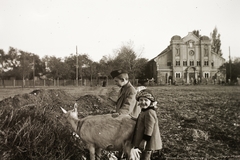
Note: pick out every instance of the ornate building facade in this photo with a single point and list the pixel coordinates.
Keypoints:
(186, 60)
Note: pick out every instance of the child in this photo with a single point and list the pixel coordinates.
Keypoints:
(147, 135)
(127, 97)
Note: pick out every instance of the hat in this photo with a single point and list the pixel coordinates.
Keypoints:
(147, 94)
(116, 73)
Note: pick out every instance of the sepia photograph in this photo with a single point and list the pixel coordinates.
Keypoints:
(119, 80)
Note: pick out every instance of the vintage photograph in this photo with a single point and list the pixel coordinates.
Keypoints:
(119, 80)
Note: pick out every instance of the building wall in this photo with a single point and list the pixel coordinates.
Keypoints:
(200, 62)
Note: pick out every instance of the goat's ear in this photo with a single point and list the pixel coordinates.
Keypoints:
(64, 111)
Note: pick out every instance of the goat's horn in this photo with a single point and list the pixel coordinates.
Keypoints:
(64, 111)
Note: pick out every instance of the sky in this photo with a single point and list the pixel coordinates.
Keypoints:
(100, 27)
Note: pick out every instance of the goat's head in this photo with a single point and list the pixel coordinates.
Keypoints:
(72, 113)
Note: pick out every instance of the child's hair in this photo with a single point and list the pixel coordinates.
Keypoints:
(123, 76)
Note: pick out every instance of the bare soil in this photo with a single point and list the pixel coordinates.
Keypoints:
(195, 121)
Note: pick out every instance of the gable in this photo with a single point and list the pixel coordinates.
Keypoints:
(190, 37)
(163, 53)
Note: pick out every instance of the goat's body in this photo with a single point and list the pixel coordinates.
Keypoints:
(106, 132)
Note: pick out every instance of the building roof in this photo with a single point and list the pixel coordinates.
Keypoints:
(204, 38)
(176, 37)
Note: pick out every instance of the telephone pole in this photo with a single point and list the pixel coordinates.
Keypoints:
(33, 71)
(76, 67)
(230, 63)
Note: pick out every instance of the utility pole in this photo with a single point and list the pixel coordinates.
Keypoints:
(23, 61)
(230, 63)
(76, 67)
(33, 71)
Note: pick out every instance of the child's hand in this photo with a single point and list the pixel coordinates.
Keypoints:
(143, 144)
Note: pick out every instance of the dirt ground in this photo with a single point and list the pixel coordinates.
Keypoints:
(195, 121)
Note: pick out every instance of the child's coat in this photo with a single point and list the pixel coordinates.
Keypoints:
(147, 124)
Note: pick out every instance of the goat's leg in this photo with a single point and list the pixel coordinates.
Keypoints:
(91, 149)
(98, 153)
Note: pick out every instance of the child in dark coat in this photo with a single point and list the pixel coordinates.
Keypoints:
(147, 135)
(127, 98)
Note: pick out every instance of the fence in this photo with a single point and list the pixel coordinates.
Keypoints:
(43, 83)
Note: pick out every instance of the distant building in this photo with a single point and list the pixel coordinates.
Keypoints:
(186, 60)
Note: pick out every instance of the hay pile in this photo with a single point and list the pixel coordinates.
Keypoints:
(32, 125)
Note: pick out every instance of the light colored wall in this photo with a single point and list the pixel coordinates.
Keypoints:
(198, 49)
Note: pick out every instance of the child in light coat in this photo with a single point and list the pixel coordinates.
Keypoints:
(147, 135)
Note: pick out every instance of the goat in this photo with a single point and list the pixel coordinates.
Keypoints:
(104, 132)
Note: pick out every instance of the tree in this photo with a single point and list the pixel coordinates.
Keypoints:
(216, 42)
(71, 61)
(26, 64)
(232, 69)
(11, 65)
(126, 59)
(140, 68)
(129, 60)
(105, 65)
(57, 69)
(84, 63)
(4, 65)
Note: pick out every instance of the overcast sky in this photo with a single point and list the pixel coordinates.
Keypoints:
(98, 27)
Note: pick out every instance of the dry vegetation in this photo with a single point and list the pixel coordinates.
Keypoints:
(195, 122)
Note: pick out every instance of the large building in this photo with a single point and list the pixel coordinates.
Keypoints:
(186, 60)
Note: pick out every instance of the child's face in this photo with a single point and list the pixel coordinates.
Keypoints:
(144, 102)
(119, 82)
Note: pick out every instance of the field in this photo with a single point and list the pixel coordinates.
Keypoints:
(196, 122)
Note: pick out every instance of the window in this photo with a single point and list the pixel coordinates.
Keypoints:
(191, 63)
(169, 63)
(212, 64)
(178, 75)
(184, 63)
(205, 63)
(190, 44)
(198, 63)
(177, 63)
(206, 75)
